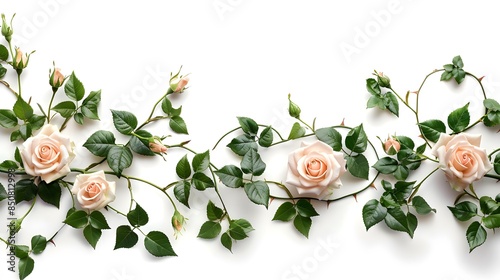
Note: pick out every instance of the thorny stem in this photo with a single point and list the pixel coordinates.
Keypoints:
(150, 117)
(9, 88)
(415, 190)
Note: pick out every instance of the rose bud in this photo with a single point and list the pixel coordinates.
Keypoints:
(383, 80)
(21, 60)
(392, 146)
(178, 84)
(56, 78)
(157, 147)
(6, 29)
(293, 109)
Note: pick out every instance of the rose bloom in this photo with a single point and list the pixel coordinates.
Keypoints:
(461, 159)
(92, 190)
(47, 154)
(315, 169)
(392, 146)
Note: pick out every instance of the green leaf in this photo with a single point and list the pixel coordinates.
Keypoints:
(356, 140)
(457, 61)
(242, 144)
(209, 230)
(3, 192)
(266, 137)
(397, 220)
(286, 212)
(402, 190)
(464, 210)
(406, 142)
(92, 235)
(4, 53)
(201, 181)
(201, 162)
(158, 245)
(90, 105)
(125, 237)
(183, 169)
(372, 86)
(488, 205)
(8, 164)
(141, 146)
(25, 190)
(65, 108)
(77, 219)
(251, 163)
(125, 122)
(100, 142)
(231, 176)
(459, 119)
(492, 221)
(226, 241)
(167, 108)
(496, 164)
(302, 224)
(26, 266)
(248, 125)
(50, 193)
(239, 229)
(388, 200)
(78, 117)
(331, 137)
(213, 212)
(476, 235)
(3, 71)
(258, 192)
(74, 88)
(305, 208)
(22, 109)
(376, 101)
(38, 244)
(119, 158)
(22, 251)
(391, 103)
(297, 131)
(386, 165)
(36, 121)
(8, 118)
(412, 223)
(491, 104)
(358, 166)
(178, 125)
(373, 213)
(432, 129)
(97, 220)
(447, 75)
(401, 173)
(138, 217)
(181, 191)
(17, 157)
(15, 135)
(25, 131)
(421, 206)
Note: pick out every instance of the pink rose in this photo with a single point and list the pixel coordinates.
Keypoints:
(392, 146)
(47, 154)
(21, 60)
(315, 169)
(461, 159)
(56, 78)
(92, 190)
(178, 84)
(157, 147)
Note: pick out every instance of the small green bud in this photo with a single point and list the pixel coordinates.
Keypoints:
(383, 80)
(293, 109)
(7, 30)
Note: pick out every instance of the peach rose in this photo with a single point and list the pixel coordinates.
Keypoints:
(391, 146)
(92, 190)
(178, 85)
(461, 159)
(47, 154)
(315, 169)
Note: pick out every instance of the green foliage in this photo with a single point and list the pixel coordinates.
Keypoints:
(454, 70)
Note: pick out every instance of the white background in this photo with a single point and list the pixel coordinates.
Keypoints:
(245, 57)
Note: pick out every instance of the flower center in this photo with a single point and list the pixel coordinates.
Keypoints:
(315, 168)
(463, 160)
(93, 189)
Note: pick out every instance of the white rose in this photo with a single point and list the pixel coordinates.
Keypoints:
(92, 190)
(47, 154)
(315, 169)
(461, 159)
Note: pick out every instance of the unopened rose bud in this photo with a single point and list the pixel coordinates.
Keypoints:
(383, 80)
(157, 147)
(178, 85)
(178, 222)
(56, 78)
(391, 146)
(293, 109)
(7, 29)
(20, 61)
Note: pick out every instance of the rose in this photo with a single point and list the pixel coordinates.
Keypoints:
(157, 147)
(92, 190)
(315, 169)
(178, 84)
(47, 154)
(461, 159)
(56, 78)
(20, 61)
(391, 146)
